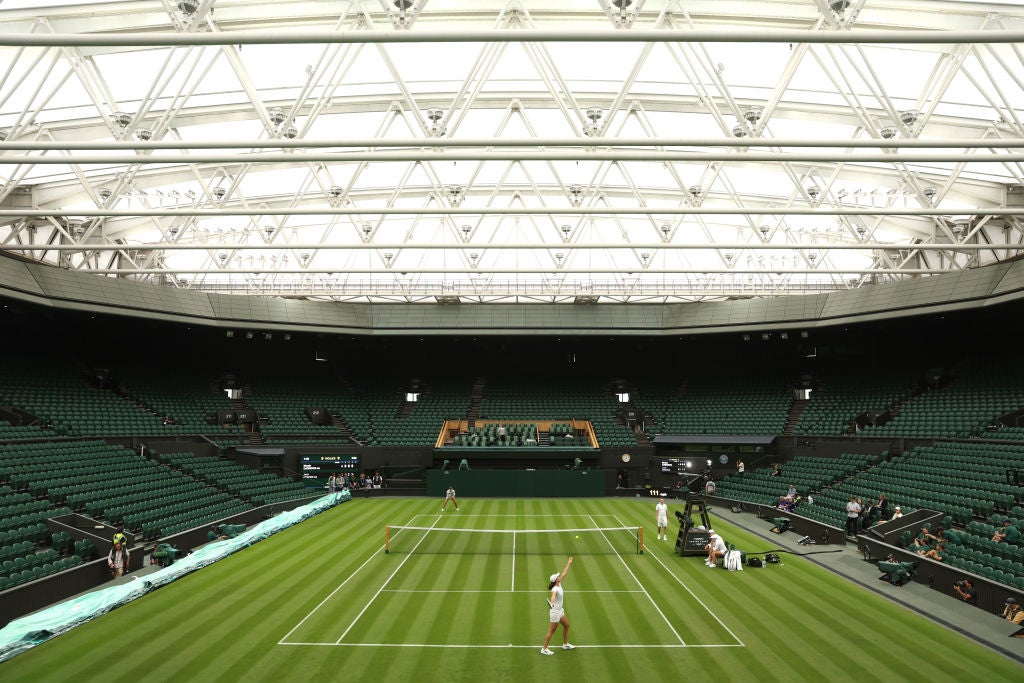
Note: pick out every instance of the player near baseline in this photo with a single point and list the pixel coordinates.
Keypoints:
(556, 614)
(661, 510)
(449, 496)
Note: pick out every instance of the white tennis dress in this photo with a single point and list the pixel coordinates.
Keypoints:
(556, 611)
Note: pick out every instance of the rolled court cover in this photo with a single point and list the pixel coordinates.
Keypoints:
(447, 541)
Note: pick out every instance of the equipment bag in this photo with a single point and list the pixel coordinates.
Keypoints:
(733, 560)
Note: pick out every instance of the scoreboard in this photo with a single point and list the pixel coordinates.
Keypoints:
(316, 469)
(676, 466)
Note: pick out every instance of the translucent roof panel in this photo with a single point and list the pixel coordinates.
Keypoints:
(490, 166)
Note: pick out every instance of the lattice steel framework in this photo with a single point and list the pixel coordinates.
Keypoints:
(510, 150)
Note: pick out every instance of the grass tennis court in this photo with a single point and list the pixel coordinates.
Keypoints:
(323, 599)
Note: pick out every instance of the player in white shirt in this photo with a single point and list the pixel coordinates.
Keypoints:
(556, 614)
(449, 496)
(716, 549)
(661, 512)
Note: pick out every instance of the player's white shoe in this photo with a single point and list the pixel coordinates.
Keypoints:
(545, 651)
(568, 646)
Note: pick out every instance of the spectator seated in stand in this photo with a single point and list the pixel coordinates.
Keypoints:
(1006, 533)
(788, 503)
(938, 553)
(923, 541)
(896, 514)
(781, 525)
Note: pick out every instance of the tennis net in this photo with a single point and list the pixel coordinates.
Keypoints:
(447, 541)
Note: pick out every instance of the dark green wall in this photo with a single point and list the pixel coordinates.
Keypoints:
(516, 483)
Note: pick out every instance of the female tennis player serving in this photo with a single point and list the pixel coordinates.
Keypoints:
(556, 613)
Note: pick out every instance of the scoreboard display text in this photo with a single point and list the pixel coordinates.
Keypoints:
(316, 469)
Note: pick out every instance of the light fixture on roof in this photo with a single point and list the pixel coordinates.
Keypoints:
(812, 257)
(222, 256)
(697, 193)
(172, 231)
(304, 257)
(559, 259)
(473, 258)
(188, 7)
(813, 191)
(645, 258)
(104, 193)
(144, 134)
(335, 192)
(4, 133)
(466, 229)
(76, 227)
(276, 115)
(960, 227)
(388, 257)
(367, 229)
(752, 115)
(739, 131)
(593, 128)
(218, 193)
(455, 194)
(839, 6)
(929, 193)
(436, 128)
(291, 132)
(763, 229)
(861, 231)
(909, 117)
(729, 256)
(576, 194)
(268, 230)
(124, 119)
(566, 231)
(666, 229)
(888, 133)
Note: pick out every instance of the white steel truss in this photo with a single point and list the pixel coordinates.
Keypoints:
(512, 150)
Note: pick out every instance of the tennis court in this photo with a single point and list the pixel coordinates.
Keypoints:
(463, 580)
(322, 600)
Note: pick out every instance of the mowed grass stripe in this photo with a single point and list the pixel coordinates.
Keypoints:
(797, 621)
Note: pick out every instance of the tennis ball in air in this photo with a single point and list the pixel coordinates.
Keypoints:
(577, 536)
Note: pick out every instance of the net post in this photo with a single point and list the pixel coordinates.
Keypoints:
(640, 541)
(387, 540)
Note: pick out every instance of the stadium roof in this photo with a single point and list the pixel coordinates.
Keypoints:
(462, 151)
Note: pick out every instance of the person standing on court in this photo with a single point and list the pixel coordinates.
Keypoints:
(661, 513)
(556, 612)
(449, 496)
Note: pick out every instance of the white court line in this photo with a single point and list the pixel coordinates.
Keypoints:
(442, 590)
(513, 589)
(621, 559)
(454, 646)
(331, 594)
(694, 596)
(397, 569)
